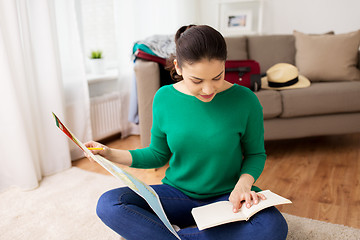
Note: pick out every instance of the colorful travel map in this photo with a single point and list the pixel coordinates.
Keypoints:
(139, 187)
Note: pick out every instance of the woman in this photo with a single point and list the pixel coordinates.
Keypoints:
(211, 133)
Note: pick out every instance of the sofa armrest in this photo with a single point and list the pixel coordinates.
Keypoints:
(147, 75)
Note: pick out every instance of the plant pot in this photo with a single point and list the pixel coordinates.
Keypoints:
(97, 66)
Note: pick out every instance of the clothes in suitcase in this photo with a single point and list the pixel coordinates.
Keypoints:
(146, 56)
(243, 72)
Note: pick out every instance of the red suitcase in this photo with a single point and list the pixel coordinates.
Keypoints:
(243, 72)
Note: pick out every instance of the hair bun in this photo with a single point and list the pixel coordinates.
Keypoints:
(181, 30)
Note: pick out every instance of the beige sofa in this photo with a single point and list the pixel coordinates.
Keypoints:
(327, 107)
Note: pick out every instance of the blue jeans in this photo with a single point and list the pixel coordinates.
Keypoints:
(130, 216)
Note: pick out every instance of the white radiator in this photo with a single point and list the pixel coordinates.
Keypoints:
(105, 112)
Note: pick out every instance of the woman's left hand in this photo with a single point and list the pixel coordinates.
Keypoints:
(242, 194)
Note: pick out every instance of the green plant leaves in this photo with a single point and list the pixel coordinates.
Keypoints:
(96, 54)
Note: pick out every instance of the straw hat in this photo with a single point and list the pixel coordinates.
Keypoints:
(284, 76)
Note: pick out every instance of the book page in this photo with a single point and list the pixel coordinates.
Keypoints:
(139, 187)
(272, 199)
(215, 214)
(222, 212)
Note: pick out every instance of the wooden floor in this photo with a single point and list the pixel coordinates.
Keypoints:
(321, 175)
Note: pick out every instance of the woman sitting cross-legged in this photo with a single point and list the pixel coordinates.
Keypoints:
(211, 133)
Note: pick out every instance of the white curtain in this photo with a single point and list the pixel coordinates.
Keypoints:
(34, 82)
(77, 102)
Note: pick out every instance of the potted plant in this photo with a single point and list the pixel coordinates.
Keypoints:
(97, 62)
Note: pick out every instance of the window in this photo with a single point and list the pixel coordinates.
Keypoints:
(97, 29)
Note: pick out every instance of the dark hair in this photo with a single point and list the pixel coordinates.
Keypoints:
(194, 43)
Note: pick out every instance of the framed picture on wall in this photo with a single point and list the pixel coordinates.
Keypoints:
(238, 21)
(240, 17)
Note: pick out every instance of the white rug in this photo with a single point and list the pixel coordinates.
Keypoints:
(309, 229)
(63, 207)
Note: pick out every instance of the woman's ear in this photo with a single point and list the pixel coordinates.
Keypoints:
(177, 68)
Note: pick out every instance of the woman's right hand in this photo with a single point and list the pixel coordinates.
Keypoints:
(92, 144)
(114, 155)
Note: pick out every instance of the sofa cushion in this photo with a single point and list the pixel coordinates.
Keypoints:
(238, 46)
(271, 49)
(270, 100)
(321, 98)
(328, 57)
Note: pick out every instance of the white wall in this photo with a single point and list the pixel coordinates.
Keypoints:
(309, 16)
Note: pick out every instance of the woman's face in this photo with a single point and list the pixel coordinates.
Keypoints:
(203, 79)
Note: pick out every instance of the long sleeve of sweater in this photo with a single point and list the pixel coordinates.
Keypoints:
(158, 153)
(253, 142)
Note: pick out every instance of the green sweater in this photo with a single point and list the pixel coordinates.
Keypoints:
(208, 145)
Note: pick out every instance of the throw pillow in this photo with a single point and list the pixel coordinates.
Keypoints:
(328, 57)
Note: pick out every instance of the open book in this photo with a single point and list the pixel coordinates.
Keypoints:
(218, 213)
